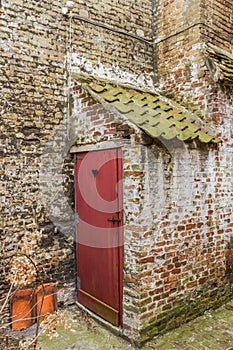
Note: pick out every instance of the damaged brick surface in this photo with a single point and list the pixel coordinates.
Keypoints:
(184, 70)
(175, 232)
(33, 52)
(177, 197)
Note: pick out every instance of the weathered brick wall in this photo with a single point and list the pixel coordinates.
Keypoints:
(99, 49)
(177, 221)
(217, 30)
(183, 29)
(217, 17)
(180, 63)
(185, 242)
(35, 70)
(184, 261)
(33, 85)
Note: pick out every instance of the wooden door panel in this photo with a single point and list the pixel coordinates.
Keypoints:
(99, 238)
(100, 308)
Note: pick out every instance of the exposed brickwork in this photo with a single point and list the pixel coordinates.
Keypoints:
(177, 198)
(183, 30)
(101, 50)
(185, 255)
(217, 16)
(36, 38)
(176, 226)
(33, 102)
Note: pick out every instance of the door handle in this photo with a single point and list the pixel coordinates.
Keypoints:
(114, 219)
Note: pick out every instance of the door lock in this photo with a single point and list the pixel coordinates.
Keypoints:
(114, 219)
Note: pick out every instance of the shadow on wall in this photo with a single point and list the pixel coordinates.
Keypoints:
(229, 260)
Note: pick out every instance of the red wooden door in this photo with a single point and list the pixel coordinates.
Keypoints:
(99, 232)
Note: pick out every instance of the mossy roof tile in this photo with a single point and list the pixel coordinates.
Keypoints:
(156, 117)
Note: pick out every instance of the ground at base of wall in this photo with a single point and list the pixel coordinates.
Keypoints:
(212, 331)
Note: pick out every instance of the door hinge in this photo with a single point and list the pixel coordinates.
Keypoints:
(76, 218)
